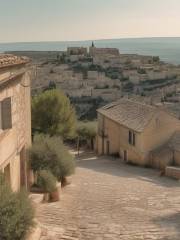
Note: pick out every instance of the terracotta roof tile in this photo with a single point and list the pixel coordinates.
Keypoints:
(134, 115)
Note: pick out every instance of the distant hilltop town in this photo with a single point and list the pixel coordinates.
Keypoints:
(93, 51)
(95, 76)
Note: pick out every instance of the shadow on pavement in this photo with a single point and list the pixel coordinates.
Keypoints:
(116, 167)
(169, 222)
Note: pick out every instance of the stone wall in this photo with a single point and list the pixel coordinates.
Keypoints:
(173, 172)
(16, 140)
(156, 134)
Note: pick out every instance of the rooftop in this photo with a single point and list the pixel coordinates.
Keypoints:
(7, 60)
(132, 114)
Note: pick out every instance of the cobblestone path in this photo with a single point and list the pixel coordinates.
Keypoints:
(110, 200)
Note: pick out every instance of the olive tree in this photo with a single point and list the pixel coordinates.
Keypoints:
(86, 132)
(49, 153)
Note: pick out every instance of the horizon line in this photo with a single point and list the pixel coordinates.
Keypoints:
(86, 40)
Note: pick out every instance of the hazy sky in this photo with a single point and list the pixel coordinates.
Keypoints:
(56, 20)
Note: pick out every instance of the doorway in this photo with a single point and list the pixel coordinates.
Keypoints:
(107, 147)
(125, 156)
(23, 173)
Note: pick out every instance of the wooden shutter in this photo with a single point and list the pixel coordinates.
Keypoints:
(6, 114)
(130, 137)
(134, 139)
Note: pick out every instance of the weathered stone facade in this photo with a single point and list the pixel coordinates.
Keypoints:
(15, 138)
(134, 131)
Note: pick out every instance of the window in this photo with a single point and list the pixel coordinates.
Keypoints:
(125, 155)
(5, 114)
(132, 138)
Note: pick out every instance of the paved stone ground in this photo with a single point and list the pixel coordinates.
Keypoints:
(110, 200)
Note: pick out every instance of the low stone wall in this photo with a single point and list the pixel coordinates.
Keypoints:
(173, 172)
(162, 159)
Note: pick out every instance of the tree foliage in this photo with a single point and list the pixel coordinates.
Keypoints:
(86, 130)
(53, 114)
(49, 153)
(16, 213)
(46, 181)
(156, 59)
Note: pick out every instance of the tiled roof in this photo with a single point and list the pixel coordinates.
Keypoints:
(7, 60)
(134, 115)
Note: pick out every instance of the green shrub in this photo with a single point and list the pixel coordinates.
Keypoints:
(46, 181)
(128, 86)
(16, 213)
(156, 59)
(141, 71)
(49, 153)
(87, 130)
(86, 133)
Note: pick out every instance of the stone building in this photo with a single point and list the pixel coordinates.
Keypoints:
(134, 131)
(94, 51)
(77, 51)
(15, 119)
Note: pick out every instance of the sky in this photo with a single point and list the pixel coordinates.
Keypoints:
(69, 20)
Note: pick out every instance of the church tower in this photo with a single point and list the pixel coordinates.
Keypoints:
(91, 49)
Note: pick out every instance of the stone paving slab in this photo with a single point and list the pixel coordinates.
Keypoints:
(110, 200)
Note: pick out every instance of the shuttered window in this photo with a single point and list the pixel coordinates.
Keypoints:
(6, 114)
(132, 138)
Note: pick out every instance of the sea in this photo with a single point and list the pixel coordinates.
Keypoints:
(168, 49)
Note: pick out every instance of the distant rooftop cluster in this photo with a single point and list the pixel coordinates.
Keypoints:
(7, 60)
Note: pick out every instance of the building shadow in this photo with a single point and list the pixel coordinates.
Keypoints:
(170, 222)
(116, 167)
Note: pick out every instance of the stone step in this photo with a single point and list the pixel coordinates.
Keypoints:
(173, 171)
